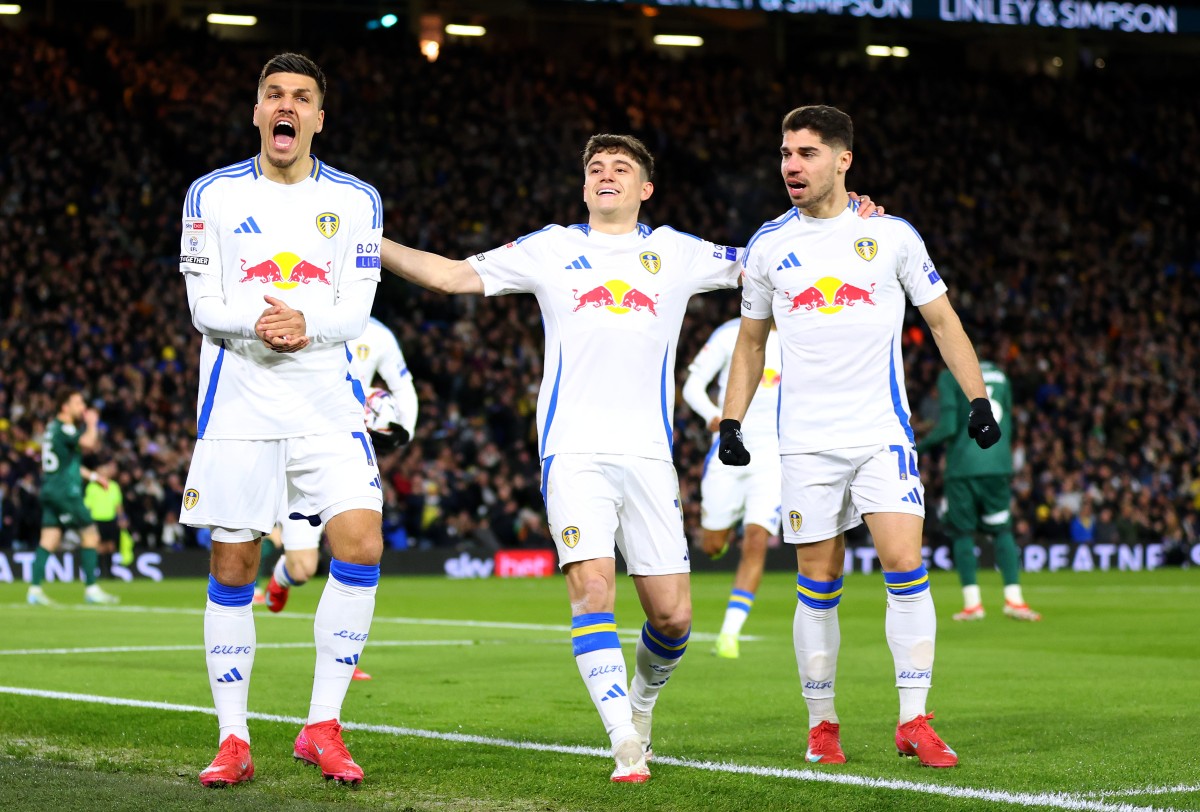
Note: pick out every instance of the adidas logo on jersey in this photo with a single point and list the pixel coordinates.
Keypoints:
(789, 261)
(248, 226)
(912, 496)
(580, 264)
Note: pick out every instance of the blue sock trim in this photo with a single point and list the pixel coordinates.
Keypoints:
(354, 574)
(907, 583)
(594, 631)
(287, 576)
(818, 594)
(671, 648)
(223, 595)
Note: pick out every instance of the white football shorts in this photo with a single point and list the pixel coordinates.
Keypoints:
(598, 502)
(749, 494)
(828, 492)
(296, 530)
(234, 486)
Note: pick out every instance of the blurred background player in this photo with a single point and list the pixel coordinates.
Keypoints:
(978, 491)
(62, 493)
(376, 353)
(731, 494)
(104, 500)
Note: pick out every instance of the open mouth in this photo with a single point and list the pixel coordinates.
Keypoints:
(606, 192)
(283, 134)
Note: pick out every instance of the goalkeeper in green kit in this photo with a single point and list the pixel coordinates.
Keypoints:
(978, 491)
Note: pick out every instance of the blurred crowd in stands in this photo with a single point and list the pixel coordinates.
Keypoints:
(1064, 215)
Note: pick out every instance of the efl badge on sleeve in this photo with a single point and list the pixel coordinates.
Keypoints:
(570, 536)
(651, 261)
(866, 248)
(795, 520)
(193, 236)
(190, 497)
(327, 224)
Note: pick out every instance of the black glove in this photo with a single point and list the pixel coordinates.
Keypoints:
(981, 424)
(732, 450)
(391, 440)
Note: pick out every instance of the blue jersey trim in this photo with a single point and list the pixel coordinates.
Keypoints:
(897, 406)
(645, 230)
(546, 463)
(210, 394)
(355, 384)
(192, 202)
(663, 398)
(901, 220)
(520, 240)
(767, 228)
(338, 176)
(553, 404)
(677, 231)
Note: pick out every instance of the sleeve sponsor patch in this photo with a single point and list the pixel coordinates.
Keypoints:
(366, 262)
(193, 260)
(193, 235)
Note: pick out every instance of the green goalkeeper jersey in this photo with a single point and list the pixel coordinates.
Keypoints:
(61, 459)
(963, 457)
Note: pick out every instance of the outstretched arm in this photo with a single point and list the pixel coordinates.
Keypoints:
(954, 345)
(432, 271)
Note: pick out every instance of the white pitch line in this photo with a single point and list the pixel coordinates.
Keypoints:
(1057, 800)
(1119, 793)
(143, 649)
(698, 637)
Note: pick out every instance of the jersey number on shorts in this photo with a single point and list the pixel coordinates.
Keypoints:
(901, 454)
(366, 444)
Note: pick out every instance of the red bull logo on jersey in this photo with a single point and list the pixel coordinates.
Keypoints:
(285, 271)
(830, 295)
(770, 378)
(327, 224)
(650, 261)
(617, 296)
(866, 248)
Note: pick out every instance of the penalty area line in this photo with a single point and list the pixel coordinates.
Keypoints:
(1056, 800)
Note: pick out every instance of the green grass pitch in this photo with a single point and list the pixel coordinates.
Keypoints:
(476, 703)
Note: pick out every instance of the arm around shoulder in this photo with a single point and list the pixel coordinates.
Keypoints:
(433, 271)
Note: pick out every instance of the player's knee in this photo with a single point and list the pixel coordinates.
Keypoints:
(673, 623)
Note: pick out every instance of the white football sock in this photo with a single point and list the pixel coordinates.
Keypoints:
(817, 638)
(229, 642)
(911, 627)
(341, 626)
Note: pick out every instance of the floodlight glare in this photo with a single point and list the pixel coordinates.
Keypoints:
(9, 8)
(388, 20)
(465, 30)
(678, 40)
(878, 50)
(233, 19)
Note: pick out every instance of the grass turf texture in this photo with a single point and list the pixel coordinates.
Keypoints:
(1098, 699)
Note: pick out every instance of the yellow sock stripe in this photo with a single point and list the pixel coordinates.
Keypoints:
(646, 631)
(593, 629)
(920, 580)
(820, 596)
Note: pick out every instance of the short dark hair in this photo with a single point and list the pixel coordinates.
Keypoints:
(633, 147)
(293, 63)
(830, 123)
(62, 394)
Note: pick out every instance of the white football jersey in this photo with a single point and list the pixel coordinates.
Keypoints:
(836, 288)
(377, 352)
(300, 243)
(759, 430)
(612, 307)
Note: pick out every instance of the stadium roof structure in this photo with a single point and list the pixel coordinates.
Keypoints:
(1052, 36)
